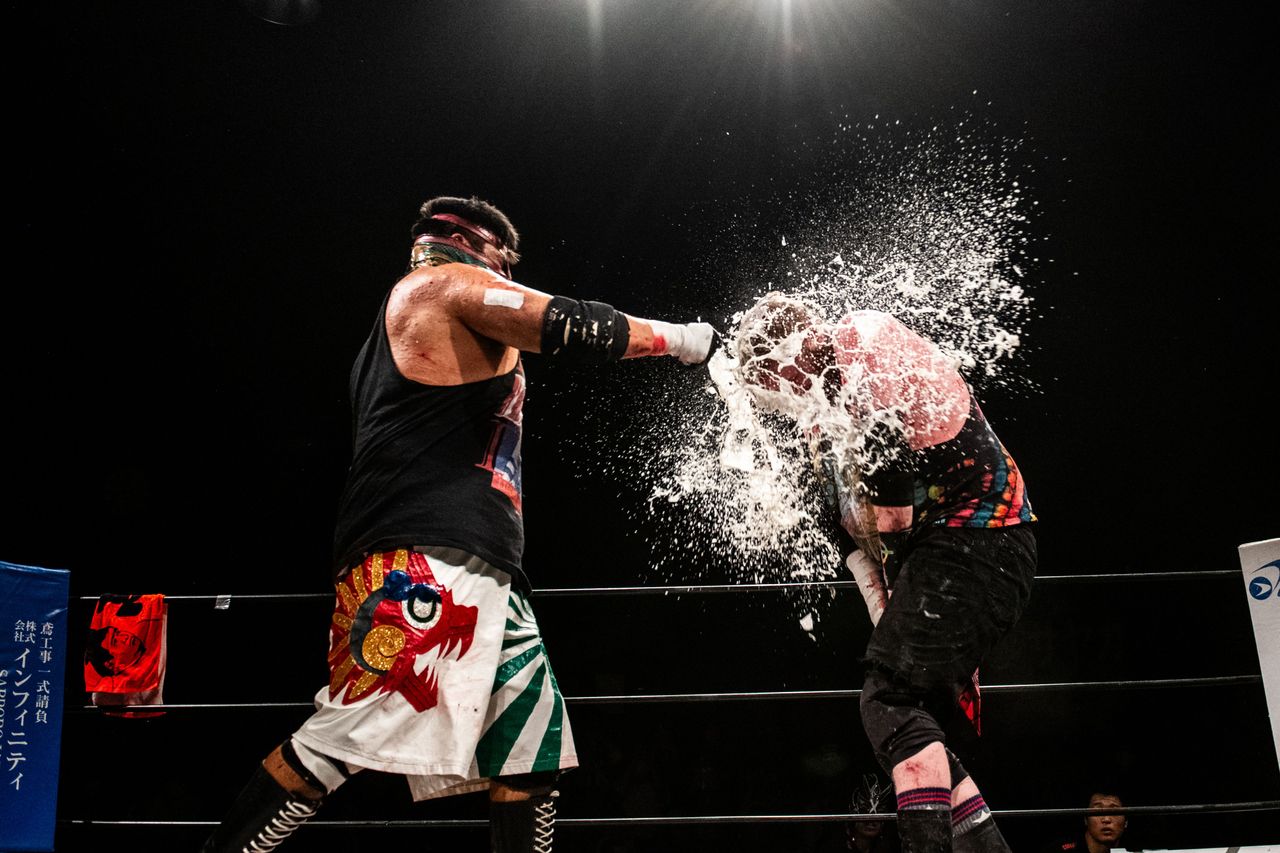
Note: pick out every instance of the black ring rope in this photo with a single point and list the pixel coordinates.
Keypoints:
(702, 589)
(665, 698)
(684, 820)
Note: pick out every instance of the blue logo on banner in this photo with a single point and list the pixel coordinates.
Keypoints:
(1262, 587)
(33, 643)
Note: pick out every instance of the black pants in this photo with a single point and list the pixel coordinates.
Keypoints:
(959, 591)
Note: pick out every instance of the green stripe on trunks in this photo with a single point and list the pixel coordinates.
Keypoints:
(496, 745)
(549, 750)
(512, 668)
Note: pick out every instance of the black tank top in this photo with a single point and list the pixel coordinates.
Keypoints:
(431, 464)
(970, 480)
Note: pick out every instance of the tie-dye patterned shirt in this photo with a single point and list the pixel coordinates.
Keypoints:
(942, 457)
(969, 481)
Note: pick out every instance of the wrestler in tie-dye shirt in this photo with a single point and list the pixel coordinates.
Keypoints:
(945, 551)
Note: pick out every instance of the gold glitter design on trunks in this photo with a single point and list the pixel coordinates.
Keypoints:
(342, 622)
(339, 647)
(340, 673)
(349, 603)
(357, 578)
(381, 646)
(364, 684)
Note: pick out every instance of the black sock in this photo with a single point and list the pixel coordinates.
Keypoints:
(985, 837)
(925, 830)
(523, 826)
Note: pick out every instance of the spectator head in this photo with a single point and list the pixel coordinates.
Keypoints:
(1105, 829)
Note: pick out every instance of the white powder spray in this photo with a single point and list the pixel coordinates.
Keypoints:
(929, 226)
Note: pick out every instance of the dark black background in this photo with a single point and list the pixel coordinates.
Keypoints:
(208, 209)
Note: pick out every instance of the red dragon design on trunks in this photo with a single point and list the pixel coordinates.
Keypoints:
(390, 610)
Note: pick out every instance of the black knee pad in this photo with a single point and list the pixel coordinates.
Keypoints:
(895, 719)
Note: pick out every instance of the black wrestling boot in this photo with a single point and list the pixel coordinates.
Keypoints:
(925, 830)
(983, 838)
(261, 818)
(523, 826)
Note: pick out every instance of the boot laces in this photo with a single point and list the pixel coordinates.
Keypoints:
(291, 816)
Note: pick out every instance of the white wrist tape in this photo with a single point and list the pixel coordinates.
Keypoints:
(689, 342)
(869, 576)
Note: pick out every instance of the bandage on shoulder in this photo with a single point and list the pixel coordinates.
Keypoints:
(587, 332)
(504, 298)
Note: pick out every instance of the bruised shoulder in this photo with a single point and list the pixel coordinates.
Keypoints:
(422, 287)
(435, 289)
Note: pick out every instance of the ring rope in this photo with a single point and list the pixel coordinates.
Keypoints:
(682, 820)
(663, 698)
(1199, 808)
(725, 588)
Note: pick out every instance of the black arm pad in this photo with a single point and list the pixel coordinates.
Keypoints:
(586, 332)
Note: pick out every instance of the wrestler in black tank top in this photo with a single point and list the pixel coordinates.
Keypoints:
(431, 464)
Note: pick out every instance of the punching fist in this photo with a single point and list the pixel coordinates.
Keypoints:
(691, 343)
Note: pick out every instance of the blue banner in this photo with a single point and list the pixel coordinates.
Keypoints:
(33, 643)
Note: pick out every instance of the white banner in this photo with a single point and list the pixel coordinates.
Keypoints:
(1260, 562)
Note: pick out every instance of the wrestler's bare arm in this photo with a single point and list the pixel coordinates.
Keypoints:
(513, 314)
(456, 323)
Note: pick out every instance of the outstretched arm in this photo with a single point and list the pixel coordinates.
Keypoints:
(533, 321)
(457, 323)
